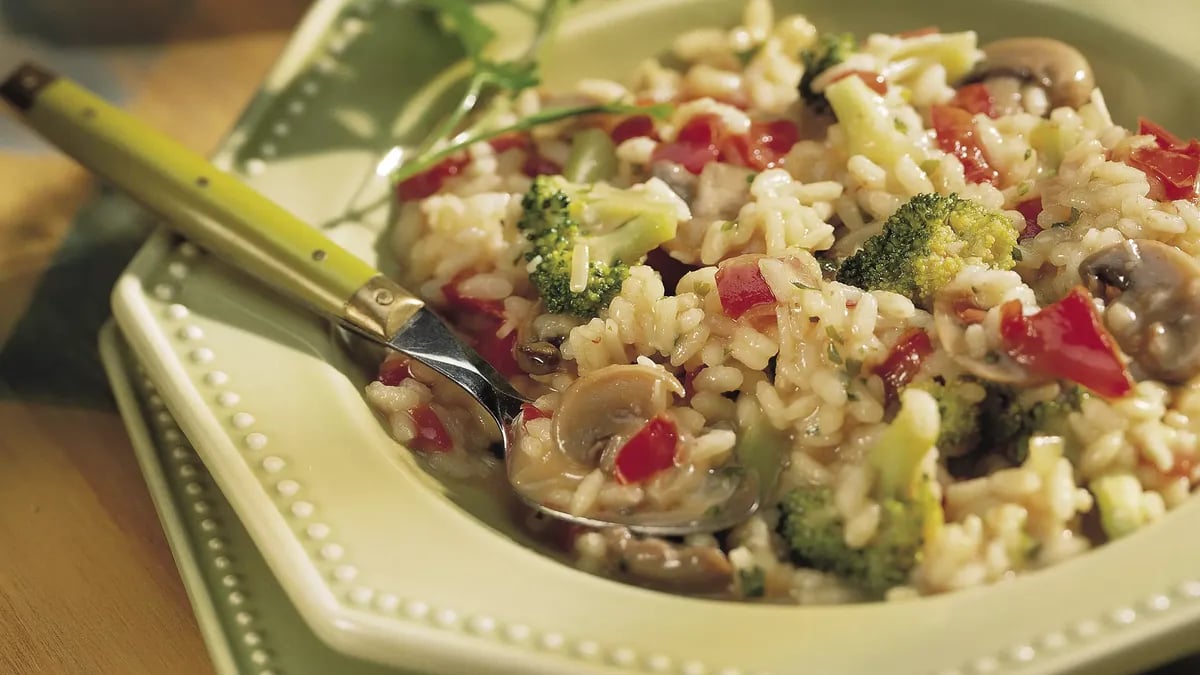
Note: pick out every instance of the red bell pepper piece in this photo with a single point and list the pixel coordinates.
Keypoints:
(703, 139)
(498, 351)
(483, 319)
(509, 141)
(431, 180)
(975, 98)
(530, 412)
(431, 433)
(536, 165)
(1171, 165)
(635, 126)
(955, 130)
(769, 142)
(904, 361)
(1031, 209)
(1067, 340)
(394, 371)
(741, 287)
(465, 303)
(694, 146)
(1163, 138)
(649, 451)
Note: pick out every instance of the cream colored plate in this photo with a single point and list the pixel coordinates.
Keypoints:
(387, 564)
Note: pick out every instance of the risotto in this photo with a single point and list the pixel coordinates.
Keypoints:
(927, 288)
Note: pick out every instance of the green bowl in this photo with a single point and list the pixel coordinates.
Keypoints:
(385, 563)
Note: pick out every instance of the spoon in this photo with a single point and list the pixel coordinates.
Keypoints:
(240, 225)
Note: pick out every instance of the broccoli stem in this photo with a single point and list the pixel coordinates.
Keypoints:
(867, 123)
(593, 157)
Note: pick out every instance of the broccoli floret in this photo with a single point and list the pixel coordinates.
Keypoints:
(814, 531)
(869, 127)
(618, 228)
(911, 510)
(828, 263)
(1007, 421)
(959, 431)
(926, 243)
(830, 50)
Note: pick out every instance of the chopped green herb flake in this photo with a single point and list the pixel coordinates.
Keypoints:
(747, 55)
(834, 355)
(1074, 218)
(854, 367)
(754, 582)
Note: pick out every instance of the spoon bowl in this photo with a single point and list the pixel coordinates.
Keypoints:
(735, 492)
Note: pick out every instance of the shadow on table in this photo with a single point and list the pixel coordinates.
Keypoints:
(51, 356)
(99, 23)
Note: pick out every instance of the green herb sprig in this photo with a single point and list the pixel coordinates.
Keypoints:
(490, 78)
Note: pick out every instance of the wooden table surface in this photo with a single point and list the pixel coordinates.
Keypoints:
(87, 582)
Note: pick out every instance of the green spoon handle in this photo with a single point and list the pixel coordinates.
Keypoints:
(211, 207)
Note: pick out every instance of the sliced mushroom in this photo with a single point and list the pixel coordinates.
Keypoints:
(949, 311)
(1152, 292)
(605, 407)
(537, 351)
(721, 191)
(538, 358)
(680, 180)
(1060, 69)
(658, 563)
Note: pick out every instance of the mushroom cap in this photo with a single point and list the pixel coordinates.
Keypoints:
(1059, 68)
(607, 406)
(662, 564)
(1152, 290)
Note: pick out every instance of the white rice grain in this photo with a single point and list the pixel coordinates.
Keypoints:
(604, 91)
(586, 493)
(579, 268)
(713, 447)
